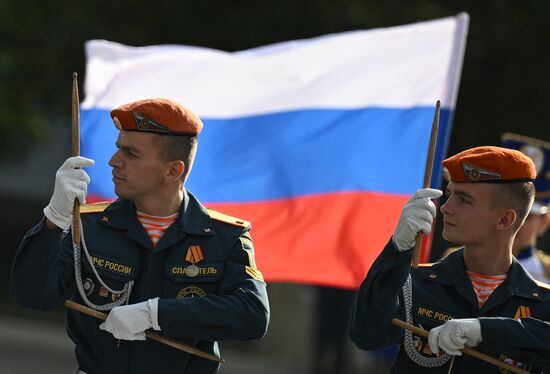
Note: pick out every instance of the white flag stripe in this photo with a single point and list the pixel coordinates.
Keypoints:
(288, 76)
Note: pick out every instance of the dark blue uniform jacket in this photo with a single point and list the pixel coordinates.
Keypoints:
(226, 300)
(514, 320)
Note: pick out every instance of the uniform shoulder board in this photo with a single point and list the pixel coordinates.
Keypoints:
(228, 219)
(94, 207)
(542, 285)
(426, 265)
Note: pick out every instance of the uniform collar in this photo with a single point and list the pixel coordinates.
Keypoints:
(121, 214)
(521, 283)
(451, 271)
(193, 219)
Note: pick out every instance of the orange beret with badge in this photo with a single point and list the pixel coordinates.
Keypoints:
(490, 165)
(157, 116)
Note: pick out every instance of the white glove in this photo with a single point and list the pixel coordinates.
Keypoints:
(71, 182)
(129, 322)
(417, 215)
(454, 335)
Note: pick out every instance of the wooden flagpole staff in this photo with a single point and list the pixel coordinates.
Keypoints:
(76, 152)
(427, 177)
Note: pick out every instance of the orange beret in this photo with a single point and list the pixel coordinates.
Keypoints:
(158, 116)
(489, 164)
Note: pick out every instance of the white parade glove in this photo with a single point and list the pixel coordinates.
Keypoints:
(454, 335)
(129, 322)
(417, 215)
(71, 182)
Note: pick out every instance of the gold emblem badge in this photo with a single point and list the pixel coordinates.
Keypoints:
(475, 173)
(191, 291)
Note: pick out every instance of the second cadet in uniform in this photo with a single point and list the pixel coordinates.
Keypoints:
(478, 296)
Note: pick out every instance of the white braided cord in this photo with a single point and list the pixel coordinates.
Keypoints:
(124, 293)
(417, 358)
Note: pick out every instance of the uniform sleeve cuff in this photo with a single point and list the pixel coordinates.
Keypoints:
(153, 308)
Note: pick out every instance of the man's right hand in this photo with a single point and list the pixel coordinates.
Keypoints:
(71, 182)
(417, 215)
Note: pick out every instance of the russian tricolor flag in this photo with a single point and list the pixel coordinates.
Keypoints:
(317, 142)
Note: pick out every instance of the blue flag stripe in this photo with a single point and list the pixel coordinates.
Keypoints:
(291, 154)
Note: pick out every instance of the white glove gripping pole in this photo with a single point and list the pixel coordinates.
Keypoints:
(469, 351)
(408, 344)
(77, 228)
(149, 333)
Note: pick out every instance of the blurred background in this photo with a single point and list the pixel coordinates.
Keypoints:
(504, 88)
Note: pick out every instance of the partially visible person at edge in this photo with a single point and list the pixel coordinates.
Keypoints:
(193, 269)
(534, 259)
(478, 296)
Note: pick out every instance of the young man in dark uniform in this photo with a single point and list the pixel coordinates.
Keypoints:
(185, 271)
(478, 296)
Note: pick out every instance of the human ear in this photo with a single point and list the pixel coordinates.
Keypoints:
(176, 170)
(507, 219)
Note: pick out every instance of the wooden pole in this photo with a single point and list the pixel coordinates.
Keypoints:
(149, 333)
(427, 177)
(469, 351)
(76, 152)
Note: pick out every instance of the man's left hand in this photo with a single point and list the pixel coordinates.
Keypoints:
(455, 335)
(129, 322)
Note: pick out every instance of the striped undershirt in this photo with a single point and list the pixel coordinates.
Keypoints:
(484, 285)
(156, 226)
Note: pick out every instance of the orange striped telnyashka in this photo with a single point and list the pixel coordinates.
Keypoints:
(156, 226)
(484, 285)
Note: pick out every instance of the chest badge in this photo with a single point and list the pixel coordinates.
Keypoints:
(194, 255)
(88, 286)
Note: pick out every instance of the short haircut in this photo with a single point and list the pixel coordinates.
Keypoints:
(178, 147)
(518, 196)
